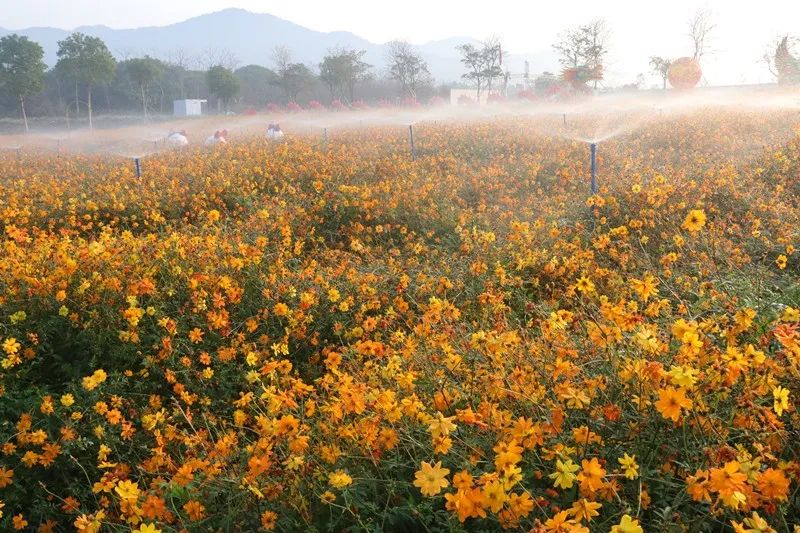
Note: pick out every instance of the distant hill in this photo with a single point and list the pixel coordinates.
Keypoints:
(251, 37)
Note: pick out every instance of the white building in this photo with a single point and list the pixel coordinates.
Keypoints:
(188, 108)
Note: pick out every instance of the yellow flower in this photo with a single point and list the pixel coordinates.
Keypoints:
(128, 491)
(628, 463)
(430, 479)
(147, 528)
(564, 476)
(494, 496)
(584, 285)
(683, 376)
(695, 220)
(781, 400)
(627, 525)
(441, 426)
(11, 346)
(339, 479)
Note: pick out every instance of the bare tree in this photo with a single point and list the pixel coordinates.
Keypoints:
(596, 35)
(180, 58)
(218, 57)
(700, 27)
(493, 59)
(571, 48)
(584, 48)
(408, 68)
(483, 64)
(291, 77)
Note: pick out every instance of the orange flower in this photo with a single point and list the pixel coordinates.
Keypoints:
(773, 484)
(591, 475)
(194, 510)
(728, 479)
(670, 402)
(5, 477)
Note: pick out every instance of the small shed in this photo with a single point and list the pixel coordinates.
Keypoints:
(188, 108)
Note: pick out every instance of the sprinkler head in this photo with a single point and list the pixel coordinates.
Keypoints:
(137, 166)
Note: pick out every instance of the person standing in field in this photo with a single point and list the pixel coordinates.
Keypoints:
(274, 131)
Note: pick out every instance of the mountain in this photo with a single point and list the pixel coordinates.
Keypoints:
(251, 38)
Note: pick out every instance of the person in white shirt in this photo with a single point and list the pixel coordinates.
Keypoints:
(219, 137)
(274, 131)
(178, 139)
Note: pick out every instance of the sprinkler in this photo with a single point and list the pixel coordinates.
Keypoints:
(593, 148)
(564, 115)
(137, 164)
(411, 137)
(325, 135)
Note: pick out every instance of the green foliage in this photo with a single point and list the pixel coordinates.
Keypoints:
(86, 59)
(21, 65)
(222, 83)
(342, 70)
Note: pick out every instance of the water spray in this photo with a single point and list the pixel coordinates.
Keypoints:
(137, 164)
(411, 137)
(593, 149)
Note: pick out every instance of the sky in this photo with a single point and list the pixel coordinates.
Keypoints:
(639, 29)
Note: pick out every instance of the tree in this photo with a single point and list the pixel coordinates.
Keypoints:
(144, 71)
(291, 77)
(700, 27)
(223, 84)
(408, 68)
(584, 49)
(86, 59)
(782, 62)
(571, 49)
(482, 63)
(342, 69)
(661, 66)
(493, 59)
(21, 69)
(596, 35)
(257, 85)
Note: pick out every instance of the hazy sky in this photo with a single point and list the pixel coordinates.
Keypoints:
(640, 28)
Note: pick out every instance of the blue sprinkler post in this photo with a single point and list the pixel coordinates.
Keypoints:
(411, 136)
(138, 166)
(593, 147)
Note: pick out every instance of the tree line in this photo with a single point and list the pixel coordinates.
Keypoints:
(87, 76)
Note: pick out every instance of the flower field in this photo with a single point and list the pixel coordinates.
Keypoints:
(331, 337)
